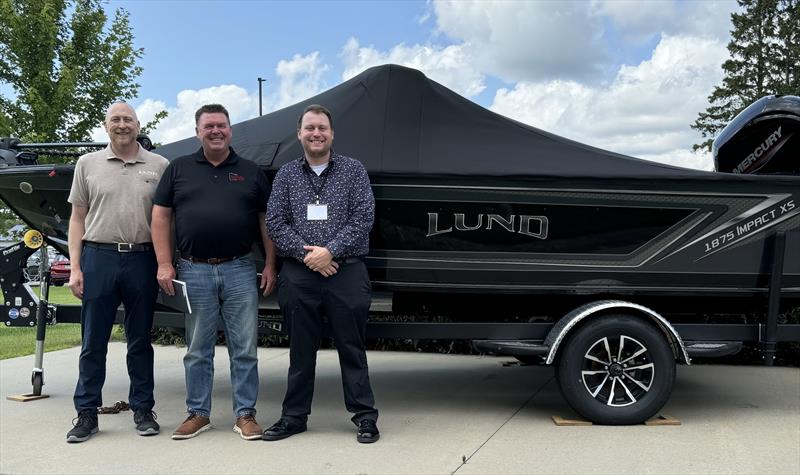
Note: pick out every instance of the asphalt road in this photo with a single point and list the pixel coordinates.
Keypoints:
(440, 414)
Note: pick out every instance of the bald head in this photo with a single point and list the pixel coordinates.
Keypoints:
(122, 125)
(121, 107)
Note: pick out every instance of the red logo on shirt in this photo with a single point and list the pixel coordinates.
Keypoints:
(235, 177)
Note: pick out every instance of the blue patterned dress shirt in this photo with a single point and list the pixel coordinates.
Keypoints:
(343, 186)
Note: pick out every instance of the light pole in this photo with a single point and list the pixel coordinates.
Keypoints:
(260, 80)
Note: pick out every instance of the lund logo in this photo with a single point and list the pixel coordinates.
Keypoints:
(534, 226)
(759, 151)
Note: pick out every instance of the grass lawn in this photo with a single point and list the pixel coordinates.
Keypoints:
(21, 341)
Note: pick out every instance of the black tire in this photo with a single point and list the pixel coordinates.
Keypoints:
(37, 380)
(633, 387)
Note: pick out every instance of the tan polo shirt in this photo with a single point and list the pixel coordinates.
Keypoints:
(119, 194)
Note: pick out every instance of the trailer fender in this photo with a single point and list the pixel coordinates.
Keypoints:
(562, 328)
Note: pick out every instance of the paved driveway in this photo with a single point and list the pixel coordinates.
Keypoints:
(440, 414)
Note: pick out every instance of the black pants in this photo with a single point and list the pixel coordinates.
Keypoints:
(305, 297)
(111, 278)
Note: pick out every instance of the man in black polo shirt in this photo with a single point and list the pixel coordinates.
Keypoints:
(218, 201)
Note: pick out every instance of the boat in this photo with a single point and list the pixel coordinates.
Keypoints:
(469, 202)
(514, 236)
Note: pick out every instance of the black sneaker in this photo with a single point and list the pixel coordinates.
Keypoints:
(283, 428)
(367, 432)
(84, 426)
(146, 422)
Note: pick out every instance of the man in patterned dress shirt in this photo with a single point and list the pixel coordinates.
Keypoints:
(319, 215)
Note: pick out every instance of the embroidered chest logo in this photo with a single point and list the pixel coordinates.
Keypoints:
(235, 177)
(148, 173)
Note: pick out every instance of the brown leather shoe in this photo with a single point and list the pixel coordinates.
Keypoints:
(191, 427)
(247, 427)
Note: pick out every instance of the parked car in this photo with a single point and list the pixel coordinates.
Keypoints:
(59, 271)
(32, 269)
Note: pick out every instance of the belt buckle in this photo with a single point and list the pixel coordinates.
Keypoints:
(125, 247)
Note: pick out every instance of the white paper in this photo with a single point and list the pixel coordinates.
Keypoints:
(317, 212)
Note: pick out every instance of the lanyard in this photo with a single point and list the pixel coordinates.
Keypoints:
(323, 179)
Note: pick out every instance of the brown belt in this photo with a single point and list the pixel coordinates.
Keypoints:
(211, 260)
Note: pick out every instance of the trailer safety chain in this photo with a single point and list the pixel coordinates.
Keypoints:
(118, 407)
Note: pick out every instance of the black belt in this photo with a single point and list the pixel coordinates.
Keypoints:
(210, 260)
(349, 260)
(120, 246)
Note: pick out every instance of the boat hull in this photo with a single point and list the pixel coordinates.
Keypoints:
(453, 235)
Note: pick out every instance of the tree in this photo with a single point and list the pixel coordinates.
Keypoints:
(150, 126)
(764, 51)
(65, 66)
(7, 222)
(787, 52)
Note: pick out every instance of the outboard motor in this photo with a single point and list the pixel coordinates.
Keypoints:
(763, 139)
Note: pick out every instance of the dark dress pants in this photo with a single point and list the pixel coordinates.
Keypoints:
(344, 298)
(111, 278)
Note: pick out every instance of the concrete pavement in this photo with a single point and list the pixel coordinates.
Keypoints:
(440, 414)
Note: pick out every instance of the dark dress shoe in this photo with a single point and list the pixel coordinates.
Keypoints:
(367, 432)
(282, 429)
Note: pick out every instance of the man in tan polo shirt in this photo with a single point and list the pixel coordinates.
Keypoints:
(113, 262)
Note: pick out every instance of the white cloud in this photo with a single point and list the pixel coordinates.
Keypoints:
(179, 124)
(683, 157)
(300, 78)
(644, 19)
(450, 65)
(570, 40)
(297, 79)
(637, 16)
(551, 52)
(530, 41)
(645, 111)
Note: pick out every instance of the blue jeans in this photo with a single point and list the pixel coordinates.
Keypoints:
(226, 292)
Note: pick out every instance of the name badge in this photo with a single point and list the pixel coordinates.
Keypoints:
(317, 212)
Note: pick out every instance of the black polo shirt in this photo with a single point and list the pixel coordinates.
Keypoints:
(216, 208)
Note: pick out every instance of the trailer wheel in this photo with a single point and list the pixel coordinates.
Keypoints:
(616, 370)
(37, 380)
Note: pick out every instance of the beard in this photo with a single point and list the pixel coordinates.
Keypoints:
(317, 153)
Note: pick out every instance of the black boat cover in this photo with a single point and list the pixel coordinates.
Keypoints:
(395, 120)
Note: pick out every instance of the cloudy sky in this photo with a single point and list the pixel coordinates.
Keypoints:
(624, 75)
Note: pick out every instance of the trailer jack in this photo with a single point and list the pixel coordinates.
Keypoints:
(20, 301)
